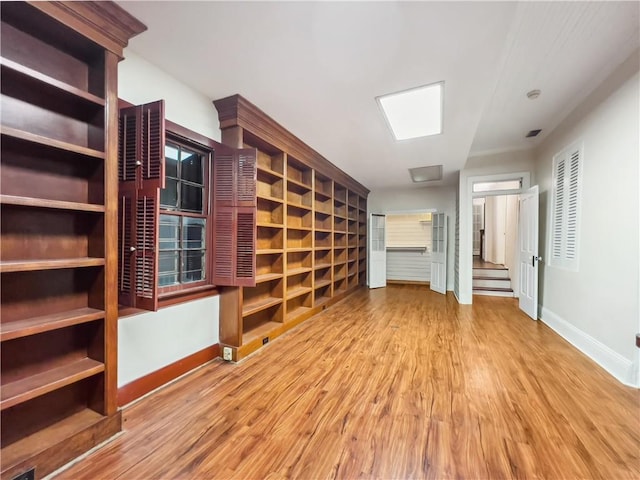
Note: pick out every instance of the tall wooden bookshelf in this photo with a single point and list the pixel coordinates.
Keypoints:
(58, 315)
(310, 232)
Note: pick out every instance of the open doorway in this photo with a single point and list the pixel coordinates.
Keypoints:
(495, 245)
(409, 247)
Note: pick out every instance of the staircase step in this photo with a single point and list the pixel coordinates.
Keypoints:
(491, 272)
(491, 282)
(492, 291)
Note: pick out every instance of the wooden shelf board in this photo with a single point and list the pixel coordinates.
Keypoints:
(269, 198)
(260, 331)
(320, 249)
(298, 271)
(36, 385)
(352, 260)
(269, 225)
(296, 312)
(324, 230)
(40, 441)
(270, 172)
(49, 142)
(296, 292)
(321, 301)
(54, 204)
(267, 277)
(323, 194)
(302, 229)
(32, 265)
(45, 323)
(320, 266)
(268, 251)
(323, 212)
(51, 85)
(299, 249)
(291, 181)
(338, 278)
(299, 205)
(322, 283)
(256, 306)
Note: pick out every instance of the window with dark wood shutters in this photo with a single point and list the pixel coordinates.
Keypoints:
(141, 135)
(235, 217)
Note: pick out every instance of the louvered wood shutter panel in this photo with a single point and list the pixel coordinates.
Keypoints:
(245, 261)
(246, 170)
(558, 210)
(146, 253)
(223, 179)
(128, 144)
(224, 245)
(126, 217)
(152, 143)
(572, 206)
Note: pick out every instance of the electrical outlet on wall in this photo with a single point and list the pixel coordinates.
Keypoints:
(227, 354)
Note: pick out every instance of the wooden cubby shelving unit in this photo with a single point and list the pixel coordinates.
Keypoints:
(58, 257)
(310, 232)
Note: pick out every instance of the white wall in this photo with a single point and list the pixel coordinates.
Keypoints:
(495, 216)
(141, 82)
(441, 199)
(150, 341)
(491, 164)
(596, 308)
(511, 252)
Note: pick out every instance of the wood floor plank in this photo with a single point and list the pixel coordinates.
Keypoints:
(397, 382)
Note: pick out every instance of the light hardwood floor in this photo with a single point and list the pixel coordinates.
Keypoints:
(390, 383)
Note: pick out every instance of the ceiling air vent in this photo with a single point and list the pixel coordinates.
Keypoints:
(426, 174)
(533, 133)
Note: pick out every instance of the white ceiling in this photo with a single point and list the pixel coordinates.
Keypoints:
(316, 68)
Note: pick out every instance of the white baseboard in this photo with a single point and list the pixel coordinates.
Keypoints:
(614, 363)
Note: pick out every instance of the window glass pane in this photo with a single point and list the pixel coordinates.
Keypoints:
(168, 232)
(191, 198)
(169, 194)
(191, 167)
(193, 233)
(497, 186)
(171, 154)
(193, 262)
(168, 263)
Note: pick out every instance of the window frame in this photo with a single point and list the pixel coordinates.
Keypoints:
(207, 215)
(176, 294)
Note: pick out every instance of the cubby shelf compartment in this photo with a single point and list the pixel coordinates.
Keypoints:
(259, 304)
(16, 134)
(53, 204)
(267, 277)
(67, 427)
(298, 271)
(269, 198)
(297, 311)
(296, 292)
(259, 331)
(33, 386)
(270, 172)
(322, 283)
(32, 79)
(32, 265)
(299, 205)
(301, 185)
(45, 323)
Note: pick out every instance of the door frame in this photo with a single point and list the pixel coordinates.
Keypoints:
(465, 260)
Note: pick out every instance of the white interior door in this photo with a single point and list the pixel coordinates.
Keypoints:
(439, 253)
(377, 251)
(528, 246)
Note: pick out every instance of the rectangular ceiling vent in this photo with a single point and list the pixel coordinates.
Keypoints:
(426, 174)
(533, 133)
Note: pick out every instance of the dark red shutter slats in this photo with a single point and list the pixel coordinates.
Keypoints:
(126, 202)
(146, 253)
(235, 217)
(152, 143)
(223, 245)
(141, 136)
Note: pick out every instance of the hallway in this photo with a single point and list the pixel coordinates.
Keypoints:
(398, 382)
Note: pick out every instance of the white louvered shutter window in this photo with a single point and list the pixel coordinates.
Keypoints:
(565, 221)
